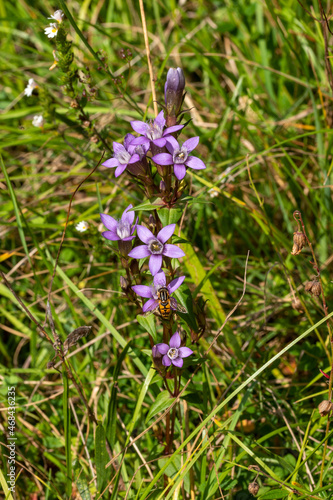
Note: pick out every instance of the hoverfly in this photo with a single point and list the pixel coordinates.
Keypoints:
(165, 304)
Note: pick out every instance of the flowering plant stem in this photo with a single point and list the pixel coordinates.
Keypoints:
(298, 218)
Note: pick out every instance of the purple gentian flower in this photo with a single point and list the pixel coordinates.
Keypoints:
(127, 154)
(150, 292)
(121, 230)
(173, 353)
(154, 130)
(155, 247)
(178, 156)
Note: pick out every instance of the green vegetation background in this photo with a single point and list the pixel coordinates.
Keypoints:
(261, 102)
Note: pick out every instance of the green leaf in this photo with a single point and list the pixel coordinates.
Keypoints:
(148, 323)
(184, 297)
(274, 494)
(81, 481)
(170, 215)
(161, 403)
(101, 456)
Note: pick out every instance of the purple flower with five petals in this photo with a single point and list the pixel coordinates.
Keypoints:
(173, 353)
(155, 247)
(154, 130)
(121, 230)
(127, 154)
(150, 292)
(178, 156)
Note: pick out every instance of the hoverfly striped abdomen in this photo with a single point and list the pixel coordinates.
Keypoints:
(164, 302)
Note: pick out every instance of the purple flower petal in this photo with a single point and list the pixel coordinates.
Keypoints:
(155, 264)
(162, 348)
(129, 238)
(128, 216)
(179, 171)
(140, 127)
(118, 148)
(160, 120)
(163, 159)
(178, 362)
(166, 361)
(191, 144)
(194, 162)
(159, 279)
(161, 142)
(111, 163)
(172, 144)
(109, 222)
(171, 130)
(175, 341)
(134, 159)
(128, 139)
(110, 235)
(143, 291)
(175, 284)
(119, 170)
(183, 352)
(139, 252)
(166, 233)
(150, 305)
(172, 251)
(145, 234)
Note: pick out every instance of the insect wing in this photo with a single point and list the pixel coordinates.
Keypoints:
(176, 306)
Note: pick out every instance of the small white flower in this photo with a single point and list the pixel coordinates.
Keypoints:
(52, 30)
(57, 16)
(82, 226)
(30, 87)
(38, 121)
(213, 192)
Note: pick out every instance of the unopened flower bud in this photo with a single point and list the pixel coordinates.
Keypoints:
(162, 187)
(151, 223)
(173, 91)
(313, 287)
(123, 284)
(253, 488)
(299, 242)
(325, 407)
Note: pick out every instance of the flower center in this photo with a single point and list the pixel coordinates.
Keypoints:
(140, 151)
(172, 353)
(123, 157)
(180, 155)
(154, 132)
(123, 230)
(156, 247)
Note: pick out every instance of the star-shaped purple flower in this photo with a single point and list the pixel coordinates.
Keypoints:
(178, 156)
(121, 230)
(127, 154)
(155, 247)
(154, 130)
(173, 353)
(150, 292)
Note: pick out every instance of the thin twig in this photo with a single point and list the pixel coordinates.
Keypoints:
(151, 75)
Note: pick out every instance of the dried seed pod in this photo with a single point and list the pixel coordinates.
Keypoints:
(253, 488)
(325, 407)
(313, 287)
(299, 243)
(152, 223)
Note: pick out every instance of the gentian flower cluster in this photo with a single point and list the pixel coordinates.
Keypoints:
(156, 161)
(157, 147)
